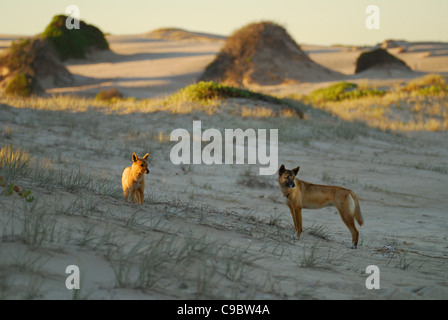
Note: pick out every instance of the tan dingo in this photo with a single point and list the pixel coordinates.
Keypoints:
(304, 195)
(133, 179)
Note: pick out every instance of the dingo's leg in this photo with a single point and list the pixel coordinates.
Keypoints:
(126, 194)
(349, 221)
(296, 214)
(298, 221)
(141, 196)
(134, 196)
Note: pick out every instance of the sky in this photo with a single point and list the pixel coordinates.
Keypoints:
(322, 22)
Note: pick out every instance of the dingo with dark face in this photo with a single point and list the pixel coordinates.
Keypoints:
(133, 179)
(304, 195)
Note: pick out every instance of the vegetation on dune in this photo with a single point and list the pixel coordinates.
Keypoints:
(206, 93)
(419, 105)
(19, 55)
(431, 84)
(378, 57)
(427, 85)
(29, 60)
(21, 85)
(342, 91)
(32, 58)
(250, 54)
(74, 43)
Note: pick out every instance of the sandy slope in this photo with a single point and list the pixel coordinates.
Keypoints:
(216, 231)
(402, 200)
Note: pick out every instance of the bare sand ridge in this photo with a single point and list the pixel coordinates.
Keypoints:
(218, 231)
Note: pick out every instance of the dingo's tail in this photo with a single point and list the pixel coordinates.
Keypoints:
(357, 210)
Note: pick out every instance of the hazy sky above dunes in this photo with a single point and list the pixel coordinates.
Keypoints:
(311, 22)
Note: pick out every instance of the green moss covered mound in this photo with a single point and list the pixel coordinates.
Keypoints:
(74, 43)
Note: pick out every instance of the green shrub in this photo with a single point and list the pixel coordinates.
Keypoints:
(207, 92)
(72, 43)
(341, 91)
(21, 85)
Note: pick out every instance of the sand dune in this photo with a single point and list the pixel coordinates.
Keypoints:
(422, 57)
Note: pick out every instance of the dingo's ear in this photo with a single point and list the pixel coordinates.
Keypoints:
(134, 157)
(281, 170)
(146, 156)
(296, 170)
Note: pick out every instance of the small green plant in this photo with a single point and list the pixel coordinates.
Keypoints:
(21, 85)
(342, 91)
(24, 193)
